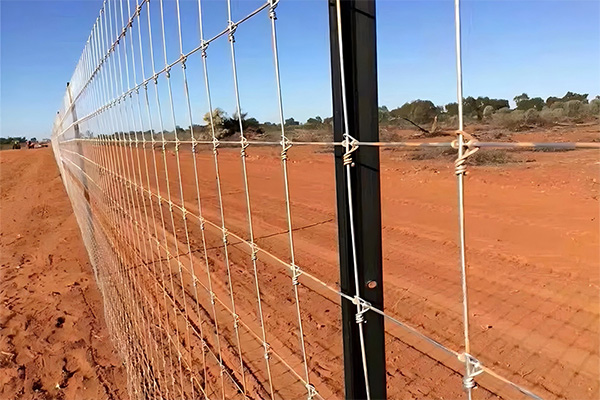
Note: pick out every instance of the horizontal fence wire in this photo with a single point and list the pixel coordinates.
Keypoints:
(185, 285)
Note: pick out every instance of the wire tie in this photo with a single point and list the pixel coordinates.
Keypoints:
(212, 297)
(177, 143)
(254, 256)
(272, 6)
(216, 144)
(203, 47)
(245, 145)
(286, 144)
(225, 232)
(351, 146)
(473, 368)
(183, 59)
(232, 28)
(236, 321)
(312, 392)
(296, 272)
(202, 223)
(469, 148)
(362, 307)
(267, 347)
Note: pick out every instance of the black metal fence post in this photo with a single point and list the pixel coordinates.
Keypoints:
(360, 70)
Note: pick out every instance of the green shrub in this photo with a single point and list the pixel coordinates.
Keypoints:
(430, 153)
(574, 108)
(552, 115)
(490, 157)
(488, 111)
(595, 107)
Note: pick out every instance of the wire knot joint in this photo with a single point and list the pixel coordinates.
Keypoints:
(351, 146)
(472, 369)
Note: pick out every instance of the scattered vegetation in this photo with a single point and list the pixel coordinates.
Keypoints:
(423, 116)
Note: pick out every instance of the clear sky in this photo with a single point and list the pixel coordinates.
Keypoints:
(541, 47)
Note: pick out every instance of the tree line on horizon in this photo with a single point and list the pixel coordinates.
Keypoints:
(419, 111)
(529, 111)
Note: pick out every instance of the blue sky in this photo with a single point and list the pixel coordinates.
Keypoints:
(542, 47)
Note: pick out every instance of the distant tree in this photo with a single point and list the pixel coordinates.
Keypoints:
(470, 105)
(232, 125)
(33, 139)
(451, 108)
(551, 100)
(525, 103)
(236, 117)
(383, 114)
(218, 117)
(520, 97)
(568, 96)
(417, 111)
(252, 123)
(479, 105)
(576, 96)
(11, 140)
(328, 121)
(314, 121)
(291, 121)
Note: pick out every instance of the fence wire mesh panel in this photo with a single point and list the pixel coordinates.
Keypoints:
(214, 240)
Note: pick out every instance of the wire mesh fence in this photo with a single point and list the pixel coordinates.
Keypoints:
(199, 243)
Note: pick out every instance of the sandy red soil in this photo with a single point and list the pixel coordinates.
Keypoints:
(533, 259)
(54, 342)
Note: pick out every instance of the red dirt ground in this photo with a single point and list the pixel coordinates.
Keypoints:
(533, 254)
(53, 339)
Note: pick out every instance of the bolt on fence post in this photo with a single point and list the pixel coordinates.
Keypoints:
(358, 41)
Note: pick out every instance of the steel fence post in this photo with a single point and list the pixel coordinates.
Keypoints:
(358, 41)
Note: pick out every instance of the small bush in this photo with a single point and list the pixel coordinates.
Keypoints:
(574, 108)
(488, 111)
(551, 149)
(594, 107)
(532, 117)
(482, 157)
(550, 115)
(430, 153)
(490, 157)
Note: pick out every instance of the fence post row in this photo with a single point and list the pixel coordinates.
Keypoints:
(358, 41)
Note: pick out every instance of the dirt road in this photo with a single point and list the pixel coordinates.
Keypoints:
(54, 342)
